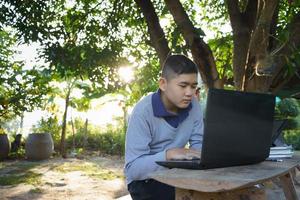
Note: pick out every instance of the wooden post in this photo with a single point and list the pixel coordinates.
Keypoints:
(85, 133)
(288, 187)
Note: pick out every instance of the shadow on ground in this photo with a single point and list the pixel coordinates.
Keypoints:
(91, 177)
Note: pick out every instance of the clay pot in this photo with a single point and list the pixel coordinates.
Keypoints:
(4, 146)
(39, 146)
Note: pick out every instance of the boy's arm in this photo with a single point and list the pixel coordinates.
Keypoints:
(139, 160)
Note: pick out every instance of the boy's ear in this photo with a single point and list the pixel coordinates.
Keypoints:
(162, 84)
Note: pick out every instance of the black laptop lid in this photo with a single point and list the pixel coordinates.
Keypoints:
(237, 128)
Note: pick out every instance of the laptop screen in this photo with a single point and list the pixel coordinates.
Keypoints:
(237, 127)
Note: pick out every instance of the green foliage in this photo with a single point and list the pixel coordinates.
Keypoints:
(213, 14)
(76, 60)
(81, 39)
(20, 90)
(109, 140)
(50, 125)
(2, 131)
(151, 73)
(287, 11)
(293, 123)
(293, 137)
(19, 154)
(90, 169)
(90, 39)
(32, 20)
(30, 178)
(112, 142)
(36, 190)
(289, 107)
(20, 173)
(222, 47)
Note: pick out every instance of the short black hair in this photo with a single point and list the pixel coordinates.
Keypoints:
(176, 65)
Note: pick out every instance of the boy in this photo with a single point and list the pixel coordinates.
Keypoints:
(160, 126)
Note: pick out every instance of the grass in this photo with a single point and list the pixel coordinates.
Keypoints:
(30, 178)
(18, 173)
(21, 167)
(90, 169)
(4, 164)
(36, 190)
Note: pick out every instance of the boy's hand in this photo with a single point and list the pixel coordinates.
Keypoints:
(182, 153)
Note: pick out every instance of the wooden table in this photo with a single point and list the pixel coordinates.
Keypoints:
(240, 182)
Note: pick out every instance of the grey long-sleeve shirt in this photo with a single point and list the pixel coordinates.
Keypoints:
(148, 137)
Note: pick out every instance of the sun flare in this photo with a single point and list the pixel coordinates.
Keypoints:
(126, 74)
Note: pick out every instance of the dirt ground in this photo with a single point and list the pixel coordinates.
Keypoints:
(71, 184)
(74, 182)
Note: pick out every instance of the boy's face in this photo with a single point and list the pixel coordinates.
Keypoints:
(177, 92)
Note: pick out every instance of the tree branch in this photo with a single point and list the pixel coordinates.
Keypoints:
(262, 32)
(258, 57)
(157, 35)
(235, 15)
(201, 52)
(251, 13)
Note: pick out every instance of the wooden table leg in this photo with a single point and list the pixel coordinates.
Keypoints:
(288, 187)
(251, 193)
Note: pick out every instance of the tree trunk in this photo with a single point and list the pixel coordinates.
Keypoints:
(241, 36)
(259, 60)
(157, 36)
(64, 124)
(85, 132)
(73, 135)
(201, 52)
(15, 145)
(259, 57)
(22, 124)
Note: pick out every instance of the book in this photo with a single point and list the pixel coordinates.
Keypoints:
(281, 148)
(280, 156)
(280, 152)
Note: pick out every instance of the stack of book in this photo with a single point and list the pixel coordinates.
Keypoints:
(280, 152)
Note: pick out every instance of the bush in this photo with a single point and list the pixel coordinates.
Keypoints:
(288, 107)
(293, 137)
(112, 142)
(293, 123)
(19, 154)
(109, 140)
(49, 125)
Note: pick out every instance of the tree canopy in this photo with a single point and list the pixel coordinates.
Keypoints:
(91, 39)
(20, 90)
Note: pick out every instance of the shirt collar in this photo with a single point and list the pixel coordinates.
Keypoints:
(159, 109)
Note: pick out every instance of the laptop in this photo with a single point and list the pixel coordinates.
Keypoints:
(237, 130)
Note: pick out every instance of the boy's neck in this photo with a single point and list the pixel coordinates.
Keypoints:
(168, 105)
